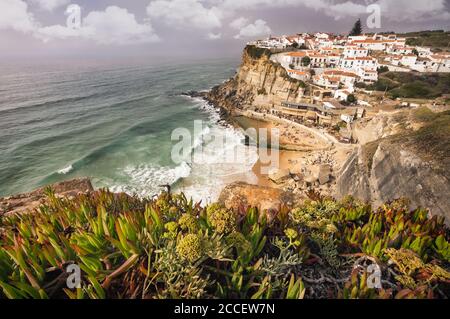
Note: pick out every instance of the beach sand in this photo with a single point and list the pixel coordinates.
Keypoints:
(296, 146)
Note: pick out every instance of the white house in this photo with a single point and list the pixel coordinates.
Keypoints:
(341, 95)
(408, 60)
(369, 44)
(424, 52)
(369, 63)
(368, 75)
(295, 58)
(355, 52)
(434, 63)
(346, 78)
(299, 75)
(326, 81)
(399, 50)
(357, 38)
(318, 60)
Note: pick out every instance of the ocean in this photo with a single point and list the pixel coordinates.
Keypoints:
(113, 122)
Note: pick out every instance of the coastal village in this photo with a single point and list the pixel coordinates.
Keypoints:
(338, 103)
(338, 69)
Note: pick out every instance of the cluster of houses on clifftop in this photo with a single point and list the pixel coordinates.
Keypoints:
(336, 61)
(334, 64)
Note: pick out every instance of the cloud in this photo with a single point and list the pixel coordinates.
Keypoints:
(239, 23)
(115, 25)
(14, 15)
(50, 5)
(398, 10)
(256, 29)
(414, 10)
(185, 13)
(214, 36)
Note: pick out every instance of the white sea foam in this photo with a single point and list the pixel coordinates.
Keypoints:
(218, 157)
(65, 170)
(146, 179)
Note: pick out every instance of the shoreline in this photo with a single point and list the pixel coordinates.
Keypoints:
(300, 148)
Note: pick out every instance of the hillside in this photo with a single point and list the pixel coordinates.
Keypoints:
(411, 161)
(436, 39)
(412, 85)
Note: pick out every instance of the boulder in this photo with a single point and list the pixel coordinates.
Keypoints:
(242, 195)
(324, 174)
(278, 176)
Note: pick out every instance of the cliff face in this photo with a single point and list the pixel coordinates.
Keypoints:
(413, 164)
(259, 83)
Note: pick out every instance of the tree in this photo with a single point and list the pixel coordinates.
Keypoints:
(414, 51)
(306, 61)
(351, 99)
(383, 69)
(357, 28)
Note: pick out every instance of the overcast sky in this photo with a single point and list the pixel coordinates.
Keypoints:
(191, 28)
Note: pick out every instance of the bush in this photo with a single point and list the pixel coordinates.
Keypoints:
(257, 53)
(383, 69)
(170, 247)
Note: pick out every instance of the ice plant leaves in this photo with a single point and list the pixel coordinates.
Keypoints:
(171, 247)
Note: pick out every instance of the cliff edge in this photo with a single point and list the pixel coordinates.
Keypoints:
(259, 83)
(412, 163)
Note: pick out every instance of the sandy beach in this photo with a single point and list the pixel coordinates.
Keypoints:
(299, 148)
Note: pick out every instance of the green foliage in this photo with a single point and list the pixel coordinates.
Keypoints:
(412, 85)
(434, 39)
(256, 53)
(306, 61)
(383, 69)
(351, 98)
(170, 247)
(357, 28)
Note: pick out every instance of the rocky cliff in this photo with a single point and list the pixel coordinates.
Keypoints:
(259, 83)
(413, 163)
(28, 202)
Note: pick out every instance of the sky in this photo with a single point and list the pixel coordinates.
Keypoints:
(190, 28)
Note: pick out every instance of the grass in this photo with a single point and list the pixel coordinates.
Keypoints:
(432, 139)
(170, 247)
(413, 85)
(436, 39)
(257, 53)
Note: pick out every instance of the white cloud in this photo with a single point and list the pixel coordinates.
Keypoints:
(115, 25)
(256, 29)
(414, 10)
(214, 36)
(14, 15)
(185, 13)
(50, 5)
(239, 23)
(398, 10)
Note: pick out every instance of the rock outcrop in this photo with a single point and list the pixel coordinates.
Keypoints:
(28, 202)
(241, 195)
(259, 83)
(384, 170)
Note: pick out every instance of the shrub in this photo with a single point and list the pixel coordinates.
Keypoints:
(170, 247)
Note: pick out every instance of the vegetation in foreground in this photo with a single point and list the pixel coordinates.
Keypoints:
(170, 247)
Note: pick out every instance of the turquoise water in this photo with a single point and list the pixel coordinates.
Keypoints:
(111, 122)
